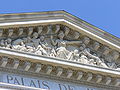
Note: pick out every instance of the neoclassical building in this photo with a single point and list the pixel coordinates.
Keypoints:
(56, 51)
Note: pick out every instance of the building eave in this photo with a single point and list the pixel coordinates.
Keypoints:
(61, 17)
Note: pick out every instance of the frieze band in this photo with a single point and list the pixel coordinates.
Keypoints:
(62, 42)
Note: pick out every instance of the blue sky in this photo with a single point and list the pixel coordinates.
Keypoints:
(104, 14)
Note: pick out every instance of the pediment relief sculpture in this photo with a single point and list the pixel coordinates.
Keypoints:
(63, 43)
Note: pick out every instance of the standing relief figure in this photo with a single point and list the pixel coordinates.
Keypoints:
(2, 43)
(60, 44)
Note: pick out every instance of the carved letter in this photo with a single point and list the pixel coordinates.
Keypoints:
(9, 78)
(16, 81)
(32, 83)
(62, 87)
(45, 83)
(39, 83)
(70, 87)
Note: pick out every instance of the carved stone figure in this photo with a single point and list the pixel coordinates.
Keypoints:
(53, 53)
(29, 44)
(92, 62)
(17, 44)
(112, 65)
(59, 45)
(41, 51)
(61, 51)
(59, 40)
(82, 47)
(74, 55)
(98, 61)
(83, 59)
(8, 43)
(35, 39)
(2, 43)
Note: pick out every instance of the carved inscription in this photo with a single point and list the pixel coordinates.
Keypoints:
(43, 83)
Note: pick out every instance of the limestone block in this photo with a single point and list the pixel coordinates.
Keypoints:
(20, 31)
(98, 78)
(38, 68)
(86, 40)
(15, 64)
(48, 69)
(69, 73)
(67, 30)
(30, 31)
(10, 32)
(1, 32)
(108, 80)
(4, 61)
(79, 75)
(76, 35)
(106, 50)
(57, 28)
(117, 82)
(59, 71)
(89, 77)
(39, 29)
(96, 45)
(27, 66)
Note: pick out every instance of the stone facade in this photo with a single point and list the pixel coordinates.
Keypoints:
(60, 47)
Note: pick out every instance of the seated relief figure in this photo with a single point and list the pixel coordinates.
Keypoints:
(93, 58)
(43, 48)
(6, 43)
(29, 45)
(18, 44)
(74, 55)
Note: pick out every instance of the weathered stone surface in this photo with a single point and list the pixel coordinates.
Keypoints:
(54, 43)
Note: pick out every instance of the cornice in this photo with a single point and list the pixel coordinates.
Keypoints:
(57, 62)
(59, 17)
(61, 72)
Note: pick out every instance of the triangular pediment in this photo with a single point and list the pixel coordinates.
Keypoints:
(29, 28)
(58, 44)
